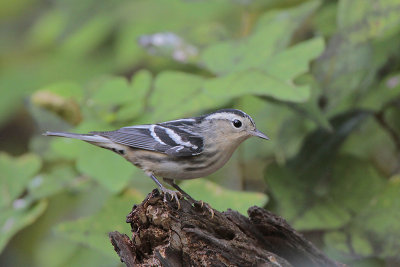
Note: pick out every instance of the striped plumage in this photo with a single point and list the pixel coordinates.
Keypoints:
(179, 149)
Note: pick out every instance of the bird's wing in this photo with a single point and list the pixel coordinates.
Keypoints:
(171, 138)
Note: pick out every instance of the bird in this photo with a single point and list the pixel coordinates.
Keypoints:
(179, 149)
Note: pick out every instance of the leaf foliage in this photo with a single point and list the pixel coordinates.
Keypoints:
(321, 78)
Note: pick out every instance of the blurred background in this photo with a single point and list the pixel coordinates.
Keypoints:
(320, 78)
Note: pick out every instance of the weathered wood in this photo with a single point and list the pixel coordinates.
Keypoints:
(123, 246)
(166, 236)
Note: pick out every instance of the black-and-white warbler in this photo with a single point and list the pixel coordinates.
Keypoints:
(179, 149)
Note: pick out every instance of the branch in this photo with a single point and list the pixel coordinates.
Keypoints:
(165, 236)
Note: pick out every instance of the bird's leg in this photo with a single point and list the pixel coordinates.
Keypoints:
(165, 191)
(192, 200)
(180, 190)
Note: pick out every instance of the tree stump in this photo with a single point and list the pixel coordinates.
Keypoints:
(164, 235)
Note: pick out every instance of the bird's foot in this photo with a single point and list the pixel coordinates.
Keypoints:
(201, 204)
(174, 195)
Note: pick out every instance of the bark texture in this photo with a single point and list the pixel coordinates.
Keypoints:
(163, 235)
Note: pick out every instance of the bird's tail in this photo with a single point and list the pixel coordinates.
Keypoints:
(85, 137)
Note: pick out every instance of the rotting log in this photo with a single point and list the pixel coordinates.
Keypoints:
(163, 235)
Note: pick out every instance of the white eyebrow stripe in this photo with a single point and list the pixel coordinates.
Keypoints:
(228, 116)
(177, 139)
(154, 135)
(222, 116)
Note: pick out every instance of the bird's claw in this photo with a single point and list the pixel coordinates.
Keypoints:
(205, 205)
(173, 194)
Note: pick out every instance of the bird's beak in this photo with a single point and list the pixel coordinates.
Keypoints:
(259, 134)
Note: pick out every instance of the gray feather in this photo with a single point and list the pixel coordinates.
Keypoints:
(154, 137)
(84, 137)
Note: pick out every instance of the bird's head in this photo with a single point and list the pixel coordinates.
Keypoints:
(232, 124)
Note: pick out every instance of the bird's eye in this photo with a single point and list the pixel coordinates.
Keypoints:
(237, 123)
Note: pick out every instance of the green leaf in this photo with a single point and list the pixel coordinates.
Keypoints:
(321, 214)
(88, 35)
(341, 70)
(355, 54)
(64, 253)
(320, 147)
(347, 245)
(256, 83)
(172, 87)
(293, 61)
(311, 191)
(65, 148)
(47, 29)
(379, 219)
(140, 87)
(92, 231)
(388, 90)
(113, 91)
(52, 182)
(13, 219)
(40, 243)
(273, 77)
(312, 109)
(355, 183)
(15, 175)
(329, 201)
(379, 150)
(374, 231)
(170, 84)
(221, 198)
(68, 148)
(368, 18)
(290, 194)
(84, 256)
(109, 169)
(272, 34)
(324, 20)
